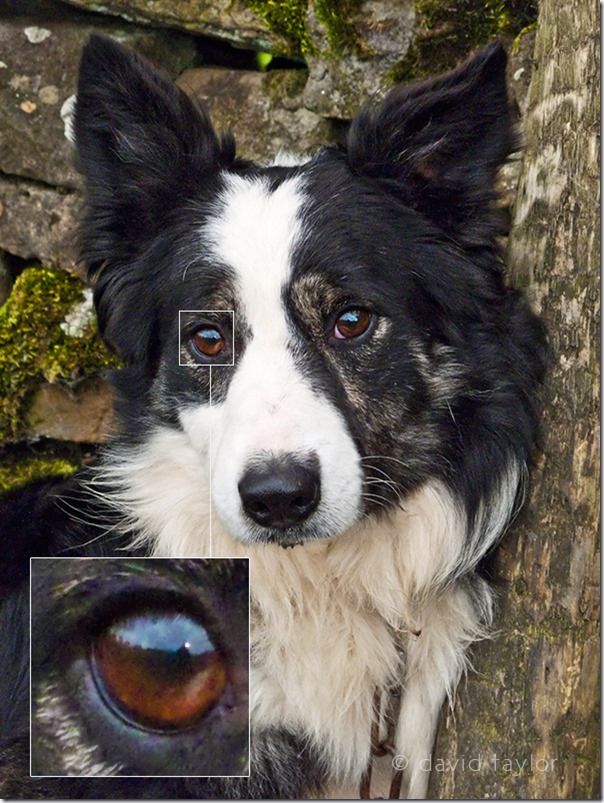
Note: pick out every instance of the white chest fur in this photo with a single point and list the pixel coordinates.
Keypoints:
(328, 617)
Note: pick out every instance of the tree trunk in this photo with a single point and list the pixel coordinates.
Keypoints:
(526, 723)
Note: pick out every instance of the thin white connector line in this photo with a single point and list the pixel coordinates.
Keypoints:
(210, 462)
(216, 365)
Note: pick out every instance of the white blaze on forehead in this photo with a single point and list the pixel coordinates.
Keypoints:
(254, 231)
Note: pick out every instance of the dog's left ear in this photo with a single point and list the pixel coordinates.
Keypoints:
(140, 141)
(438, 144)
(145, 149)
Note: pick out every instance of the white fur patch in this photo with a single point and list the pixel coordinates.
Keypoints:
(56, 723)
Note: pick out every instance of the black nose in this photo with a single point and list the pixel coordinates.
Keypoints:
(281, 492)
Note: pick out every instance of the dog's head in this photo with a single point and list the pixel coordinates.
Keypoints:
(327, 335)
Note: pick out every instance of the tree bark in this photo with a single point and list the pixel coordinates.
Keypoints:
(528, 718)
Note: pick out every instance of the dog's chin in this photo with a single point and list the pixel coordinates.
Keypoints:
(309, 533)
(291, 537)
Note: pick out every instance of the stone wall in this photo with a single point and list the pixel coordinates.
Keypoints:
(282, 74)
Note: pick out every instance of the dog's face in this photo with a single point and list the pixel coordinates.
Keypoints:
(324, 334)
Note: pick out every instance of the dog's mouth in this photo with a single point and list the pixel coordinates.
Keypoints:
(286, 538)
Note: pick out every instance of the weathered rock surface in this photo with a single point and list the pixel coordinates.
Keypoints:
(81, 414)
(39, 57)
(39, 223)
(351, 51)
(6, 279)
(355, 64)
(230, 20)
(263, 110)
(520, 68)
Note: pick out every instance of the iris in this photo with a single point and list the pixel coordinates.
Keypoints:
(160, 669)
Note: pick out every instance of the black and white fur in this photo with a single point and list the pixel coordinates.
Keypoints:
(421, 431)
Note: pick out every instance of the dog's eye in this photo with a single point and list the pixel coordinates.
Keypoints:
(159, 669)
(352, 323)
(208, 340)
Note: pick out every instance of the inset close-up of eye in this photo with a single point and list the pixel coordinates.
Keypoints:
(140, 667)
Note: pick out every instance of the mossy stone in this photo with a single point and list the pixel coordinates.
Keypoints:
(37, 346)
(286, 18)
(16, 472)
(450, 29)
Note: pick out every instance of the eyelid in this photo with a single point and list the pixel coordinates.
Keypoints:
(190, 329)
(90, 604)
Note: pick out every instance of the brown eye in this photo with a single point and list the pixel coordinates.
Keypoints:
(352, 323)
(209, 341)
(160, 669)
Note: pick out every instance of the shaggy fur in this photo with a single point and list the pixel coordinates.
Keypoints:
(418, 431)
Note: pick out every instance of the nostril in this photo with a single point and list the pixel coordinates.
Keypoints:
(280, 492)
(258, 507)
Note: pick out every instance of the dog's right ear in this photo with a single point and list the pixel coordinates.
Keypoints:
(144, 147)
(439, 143)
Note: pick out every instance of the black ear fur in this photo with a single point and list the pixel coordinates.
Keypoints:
(439, 143)
(143, 146)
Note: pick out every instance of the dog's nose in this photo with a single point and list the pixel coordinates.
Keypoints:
(280, 493)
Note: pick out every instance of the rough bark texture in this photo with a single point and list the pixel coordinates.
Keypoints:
(529, 717)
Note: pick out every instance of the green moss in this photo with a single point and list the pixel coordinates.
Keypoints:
(527, 29)
(337, 18)
(449, 29)
(263, 60)
(286, 18)
(15, 473)
(34, 347)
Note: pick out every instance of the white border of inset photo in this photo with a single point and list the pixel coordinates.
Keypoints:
(134, 557)
(206, 312)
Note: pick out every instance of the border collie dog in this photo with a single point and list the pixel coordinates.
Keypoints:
(324, 371)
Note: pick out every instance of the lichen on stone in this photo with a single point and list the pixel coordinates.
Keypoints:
(283, 85)
(448, 30)
(34, 347)
(528, 29)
